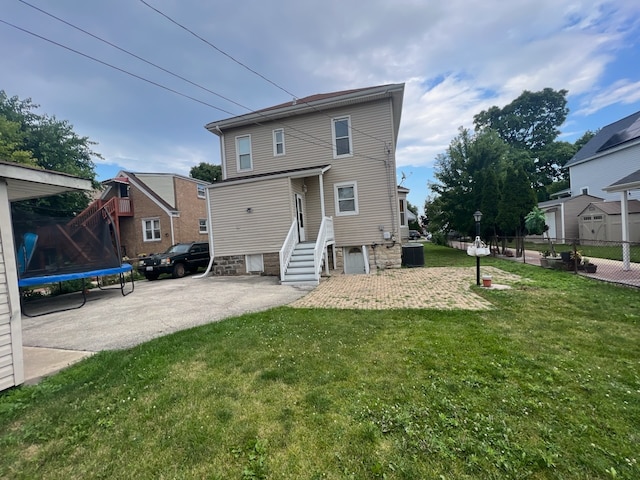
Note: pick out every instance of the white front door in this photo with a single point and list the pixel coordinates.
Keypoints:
(300, 217)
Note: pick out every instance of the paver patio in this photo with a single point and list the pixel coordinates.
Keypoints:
(444, 288)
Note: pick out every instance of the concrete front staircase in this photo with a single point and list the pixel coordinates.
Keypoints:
(300, 270)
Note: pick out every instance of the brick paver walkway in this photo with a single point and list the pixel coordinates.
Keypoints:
(444, 288)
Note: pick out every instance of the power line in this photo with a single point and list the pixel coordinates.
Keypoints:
(114, 67)
(133, 54)
(233, 59)
(322, 142)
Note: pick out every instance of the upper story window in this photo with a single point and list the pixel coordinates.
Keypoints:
(243, 153)
(151, 229)
(402, 212)
(346, 197)
(278, 142)
(201, 191)
(202, 225)
(342, 137)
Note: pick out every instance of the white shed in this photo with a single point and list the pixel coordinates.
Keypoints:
(18, 182)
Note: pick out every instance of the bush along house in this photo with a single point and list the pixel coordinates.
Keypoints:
(309, 186)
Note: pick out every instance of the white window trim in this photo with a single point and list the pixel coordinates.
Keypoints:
(275, 143)
(238, 154)
(337, 186)
(144, 230)
(333, 136)
(206, 226)
(201, 188)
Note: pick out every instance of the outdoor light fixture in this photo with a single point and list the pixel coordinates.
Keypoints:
(249, 210)
(477, 216)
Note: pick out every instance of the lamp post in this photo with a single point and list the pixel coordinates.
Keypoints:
(477, 216)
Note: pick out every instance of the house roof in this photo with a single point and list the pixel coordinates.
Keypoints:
(25, 182)
(554, 203)
(630, 182)
(316, 103)
(613, 135)
(613, 208)
(294, 173)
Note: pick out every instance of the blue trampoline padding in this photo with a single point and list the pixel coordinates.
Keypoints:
(30, 282)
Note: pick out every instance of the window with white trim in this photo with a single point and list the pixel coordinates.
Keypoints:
(243, 153)
(346, 198)
(278, 142)
(201, 191)
(341, 131)
(202, 225)
(402, 212)
(151, 229)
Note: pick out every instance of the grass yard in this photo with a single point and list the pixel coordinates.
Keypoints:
(545, 385)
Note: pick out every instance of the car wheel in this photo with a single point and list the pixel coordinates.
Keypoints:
(178, 270)
(151, 276)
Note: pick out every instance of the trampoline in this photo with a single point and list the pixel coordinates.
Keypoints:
(56, 250)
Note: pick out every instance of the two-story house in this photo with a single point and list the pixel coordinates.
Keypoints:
(308, 183)
(153, 211)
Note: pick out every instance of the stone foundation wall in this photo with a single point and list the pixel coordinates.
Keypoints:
(380, 258)
(231, 265)
(271, 263)
(383, 257)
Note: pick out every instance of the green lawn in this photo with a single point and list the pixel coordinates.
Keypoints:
(546, 385)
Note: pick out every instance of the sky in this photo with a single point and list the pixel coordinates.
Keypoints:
(456, 58)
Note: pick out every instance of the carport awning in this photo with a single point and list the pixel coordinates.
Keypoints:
(630, 182)
(24, 182)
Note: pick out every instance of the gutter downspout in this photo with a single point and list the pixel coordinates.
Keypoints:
(223, 159)
(562, 222)
(211, 250)
(173, 238)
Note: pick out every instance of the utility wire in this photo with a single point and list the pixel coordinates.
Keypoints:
(170, 72)
(133, 55)
(322, 142)
(115, 68)
(233, 59)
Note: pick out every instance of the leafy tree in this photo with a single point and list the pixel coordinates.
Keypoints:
(516, 201)
(206, 172)
(11, 141)
(45, 142)
(530, 122)
(469, 175)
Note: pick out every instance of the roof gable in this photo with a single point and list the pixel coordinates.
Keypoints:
(613, 208)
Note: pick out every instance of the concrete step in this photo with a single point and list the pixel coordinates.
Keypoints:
(295, 270)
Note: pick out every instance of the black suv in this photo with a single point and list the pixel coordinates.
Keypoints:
(177, 260)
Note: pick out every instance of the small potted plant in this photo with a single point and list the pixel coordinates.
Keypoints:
(577, 260)
(588, 266)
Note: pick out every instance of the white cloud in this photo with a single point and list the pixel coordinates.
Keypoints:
(622, 91)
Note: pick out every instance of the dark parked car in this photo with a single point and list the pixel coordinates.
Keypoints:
(177, 260)
(414, 234)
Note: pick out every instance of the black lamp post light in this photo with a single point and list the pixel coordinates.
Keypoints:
(477, 249)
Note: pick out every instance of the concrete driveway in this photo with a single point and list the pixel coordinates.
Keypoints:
(110, 321)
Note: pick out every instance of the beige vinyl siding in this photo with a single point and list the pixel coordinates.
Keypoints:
(162, 185)
(308, 138)
(367, 167)
(7, 378)
(236, 232)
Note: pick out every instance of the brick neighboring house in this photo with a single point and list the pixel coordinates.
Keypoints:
(153, 211)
